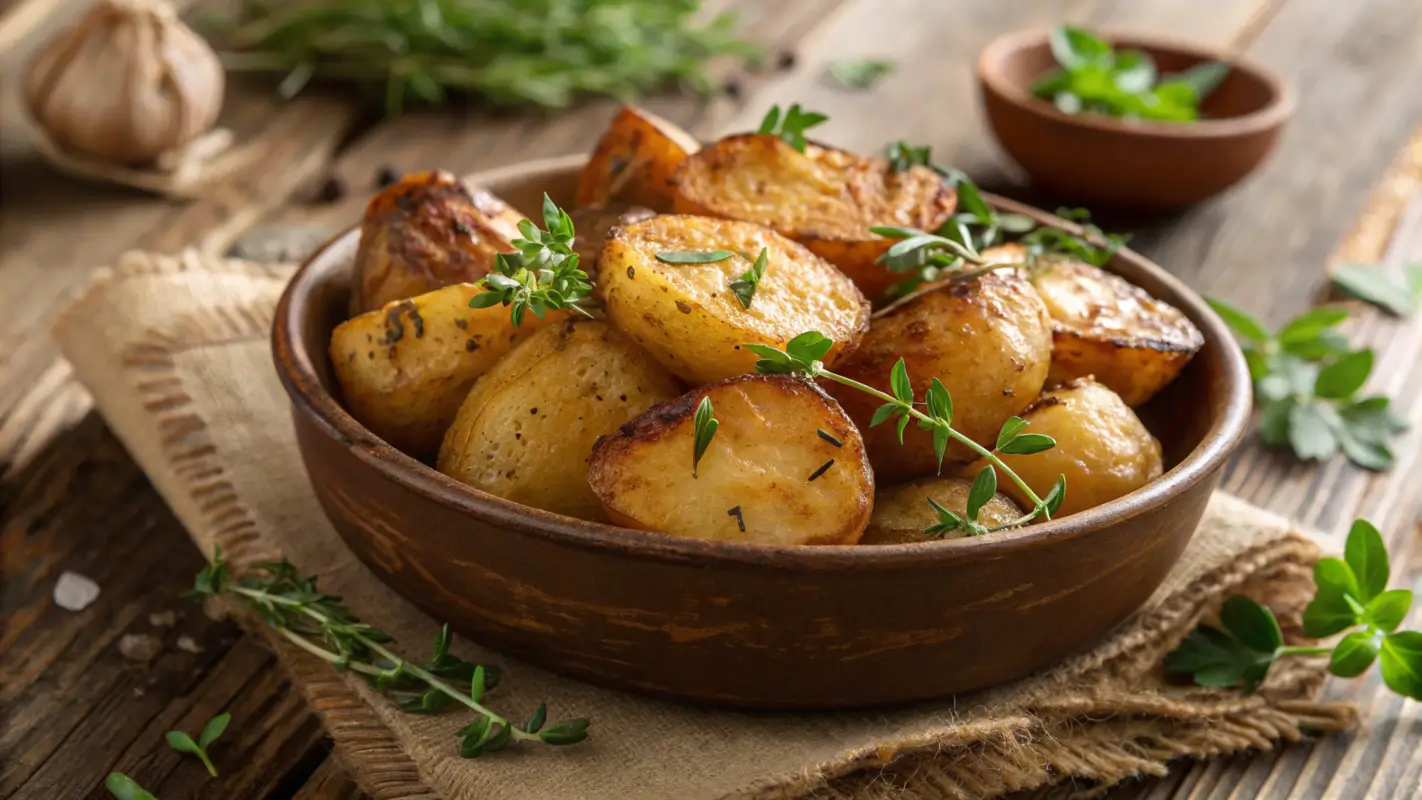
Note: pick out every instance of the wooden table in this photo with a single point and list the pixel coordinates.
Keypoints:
(1345, 184)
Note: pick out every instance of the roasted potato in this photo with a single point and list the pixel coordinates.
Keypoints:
(1104, 326)
(594, 223)
(825, 198)
(902, 512)
(1102, 448)
(785, 466)
(634, 161)
(686, 314)
(429, 230)
(405, 368)
(988, 339)
(524, 433)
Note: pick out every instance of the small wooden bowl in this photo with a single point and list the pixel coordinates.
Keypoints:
(1104, 161)
(739, 624)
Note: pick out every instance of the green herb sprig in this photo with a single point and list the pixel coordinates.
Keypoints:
(1093, 245)
(516, 52)
(802, 356)
(704, 425)
(792, 125)
(1352, 595)
(542, 276)
(184, 743)
(858, 74)
(744, 286)
(901, 156)
(1096, 79)
(1306, 382)
(321, 625)
(1371, 283)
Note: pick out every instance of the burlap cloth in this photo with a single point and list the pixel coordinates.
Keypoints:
(175, 352)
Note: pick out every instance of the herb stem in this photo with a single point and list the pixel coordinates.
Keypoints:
(972, 445)
(1302, 651)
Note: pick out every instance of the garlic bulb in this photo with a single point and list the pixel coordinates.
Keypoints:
(125, 84)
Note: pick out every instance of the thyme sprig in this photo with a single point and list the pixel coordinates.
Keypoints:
(802, 356)
(791, 126)
(323, 626)
(704, 425)
(543, 275)
(745, 284)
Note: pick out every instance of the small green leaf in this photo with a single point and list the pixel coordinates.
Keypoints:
(1054, 498)
(1252, 623)
(1134, 71)
(693, 256)
(859, 74)
(1028, 443)
(1202, 78)
(476, 684)
(1368, 455)
(704, 425)
(940, 402)
(1310, 434)
(1074, 48)
(500, 740)
(213, 729)
(903, 424)
(809, 346)
(1327, 614)
(1366, 556)
(1354, 654)
(441, 644)
(745, 285)
(1214, 658)
(1373, 284)
(473, 736)
(569, 731)
(1387, 611)
(1402, 663)
(1334, 575)
(125, 788)
(426, 703)
(983, 489)
(1009, 430)
(770, 121)
(535, 722)
(1311, 323)
(182, 742)
(1344, 377)
(973, 203)
(899, 382)
(883, 412)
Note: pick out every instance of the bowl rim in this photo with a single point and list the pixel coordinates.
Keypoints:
(1274, 113)
(297, 373)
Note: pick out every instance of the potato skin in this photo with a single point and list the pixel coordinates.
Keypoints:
(635, 160)
(593, 224)
(988, 340)
(763, 461)
(824, 198)
(428, 230)
(524, 433)
(902, 512)
(686, 316)
(405, 368)
(1109, 328)
(1102, 448)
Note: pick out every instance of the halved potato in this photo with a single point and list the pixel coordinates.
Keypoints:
(429, 230)
(988, 339)
(634, 161)
(405, 368)
(593, 224)
(902, 512)
(686, 314)
(1102, 448)
(825, 198)
(526, 430)
(786, 466)
(1107, 327)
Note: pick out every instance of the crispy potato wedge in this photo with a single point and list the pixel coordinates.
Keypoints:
(988, 339)
(686, 314)
(405, 368)
(902, 512)
(768, 476)
(825, 198)
(429, 230)
(593, 224)
(1102, 448)
(635, 160)
(524, 433)
(1105, 326)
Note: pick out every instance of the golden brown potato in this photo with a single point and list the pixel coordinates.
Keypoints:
(526, 430)
(405, 368)
(429, 230)
(1104, 326)
(686, 314)
(988, 340)
(825, 198)
(1102, 448)
(635, 160)
(786, 466)
(593, 224)
(902, 512)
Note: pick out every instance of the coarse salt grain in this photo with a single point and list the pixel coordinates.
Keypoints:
(74, 592)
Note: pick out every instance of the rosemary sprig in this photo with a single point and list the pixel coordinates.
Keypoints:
(183, 743)
(744, 286)
(543, 275)
(792, 126)
(322, 626)
(528, 52)
(704, 425)
(802, 355)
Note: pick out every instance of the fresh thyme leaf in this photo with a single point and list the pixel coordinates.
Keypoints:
(508, 52)
(792, 125)
(899, 382)
(1009, 430)
(1027, 444)
(859, 74)
(125, 788)
(1093, 245)
(693, 256)
(704, 424)
(982, 491)
(744, 286)
(543, 275)
(1372, 283)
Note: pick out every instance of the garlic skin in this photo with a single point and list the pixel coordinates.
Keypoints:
(128, 82)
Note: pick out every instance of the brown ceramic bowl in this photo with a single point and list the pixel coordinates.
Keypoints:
(740, 624)
(1103, 161)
